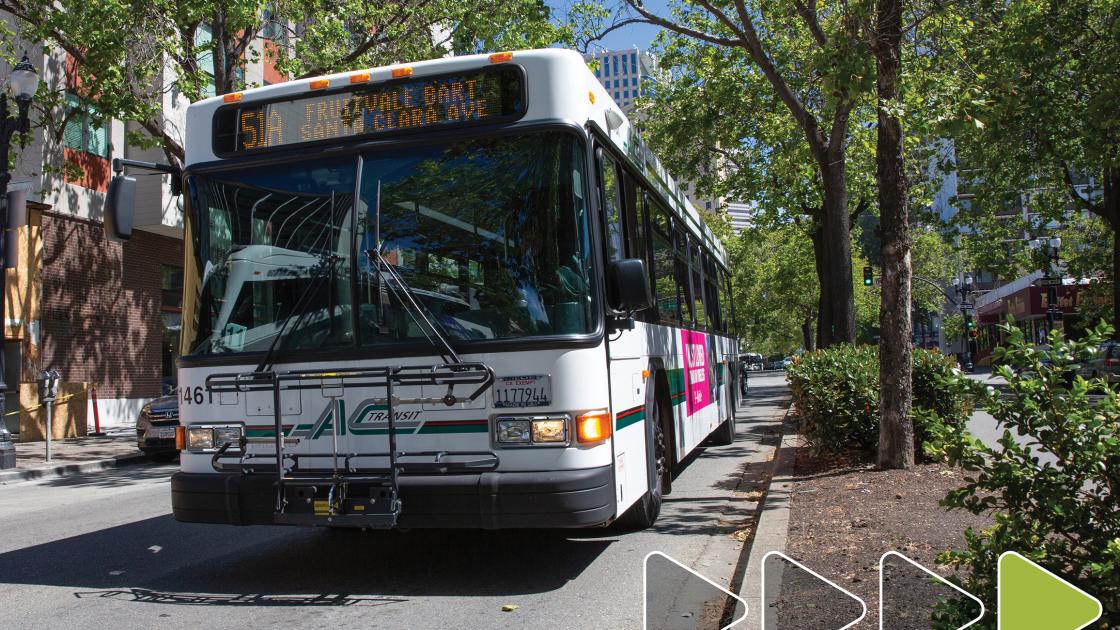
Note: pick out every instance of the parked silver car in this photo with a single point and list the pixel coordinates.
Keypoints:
(155, 428)
(1104, 364)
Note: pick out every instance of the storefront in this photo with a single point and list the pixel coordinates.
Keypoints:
(1028, 309)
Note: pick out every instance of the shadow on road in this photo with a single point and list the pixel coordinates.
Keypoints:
(233, 566)
(120, 476)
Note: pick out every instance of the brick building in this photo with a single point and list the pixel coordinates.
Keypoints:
(103, 314)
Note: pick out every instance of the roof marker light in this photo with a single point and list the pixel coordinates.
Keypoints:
(399, 73)
(501, 57)
(233, 97)
(359, 77)
(591, 97)
(319, 84)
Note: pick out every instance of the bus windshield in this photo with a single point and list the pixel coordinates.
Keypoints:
(489, 235)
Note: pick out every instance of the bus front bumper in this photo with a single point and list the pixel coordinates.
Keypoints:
(489, 500)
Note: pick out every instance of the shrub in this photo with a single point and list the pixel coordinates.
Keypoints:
(836, 396)
(1050, 483)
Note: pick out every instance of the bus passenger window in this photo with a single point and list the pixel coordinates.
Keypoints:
(612, 207)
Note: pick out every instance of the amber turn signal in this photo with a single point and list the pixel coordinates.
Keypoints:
(180, 438)
(593, 426)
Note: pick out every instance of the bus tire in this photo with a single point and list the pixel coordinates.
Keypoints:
(643, 514)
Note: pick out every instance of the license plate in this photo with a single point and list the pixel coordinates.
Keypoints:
(522, 391)
(162, 432)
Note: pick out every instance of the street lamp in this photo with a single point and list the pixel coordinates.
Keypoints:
(963, 288)
(1050, 248)
(23, 84)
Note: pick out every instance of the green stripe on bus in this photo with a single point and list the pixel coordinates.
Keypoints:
(626, 420)
(454, 428)
(271, 433)
(676, 381)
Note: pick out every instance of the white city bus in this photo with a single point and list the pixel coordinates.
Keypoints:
(459, 293)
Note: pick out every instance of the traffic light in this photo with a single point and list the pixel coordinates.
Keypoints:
(970, 327)
(868, 279)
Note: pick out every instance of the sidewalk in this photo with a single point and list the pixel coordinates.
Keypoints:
(74, 455)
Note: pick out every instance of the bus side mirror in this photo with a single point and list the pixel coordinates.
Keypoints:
(628, 286)
(120, 208)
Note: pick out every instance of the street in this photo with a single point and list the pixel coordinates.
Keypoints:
(103, 551)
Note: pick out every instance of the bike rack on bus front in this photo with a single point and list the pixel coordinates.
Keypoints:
(441, 462)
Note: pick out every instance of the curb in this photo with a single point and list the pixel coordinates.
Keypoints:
(74, 468)
(772, 530)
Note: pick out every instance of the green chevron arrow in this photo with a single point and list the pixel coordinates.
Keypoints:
(1031, 597)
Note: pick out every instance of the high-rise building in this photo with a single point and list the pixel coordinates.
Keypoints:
(626, 74)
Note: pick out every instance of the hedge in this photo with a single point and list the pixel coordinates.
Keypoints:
(836, 397)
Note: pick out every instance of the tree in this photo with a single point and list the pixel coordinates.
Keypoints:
(128, 56)
(807, 65)
(1043, 100)
(774, 284)
(896, 430)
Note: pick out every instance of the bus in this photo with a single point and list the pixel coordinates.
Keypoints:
(453, 293)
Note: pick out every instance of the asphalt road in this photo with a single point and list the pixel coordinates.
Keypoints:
(102, 551)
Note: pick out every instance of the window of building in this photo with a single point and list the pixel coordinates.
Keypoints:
(171, 286)
(83, 131)
(272, 30)
(614, 61)
(633, 63)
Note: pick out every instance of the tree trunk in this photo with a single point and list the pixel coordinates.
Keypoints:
(807, 334)
(1112, 216)
(896, 430)
(824, 309)
(836, 234)
(1115, 284)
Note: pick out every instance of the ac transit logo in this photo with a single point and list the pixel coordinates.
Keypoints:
(369, 418)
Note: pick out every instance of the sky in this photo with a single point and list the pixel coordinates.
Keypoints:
(639, 35)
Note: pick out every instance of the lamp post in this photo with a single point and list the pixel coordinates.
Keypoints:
(963, 288)
(1049, 248)
(23, 83)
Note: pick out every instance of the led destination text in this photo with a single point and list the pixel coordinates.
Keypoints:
(464, 99)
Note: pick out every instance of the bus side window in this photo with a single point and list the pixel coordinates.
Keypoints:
(612, 207)
(699, 308)
(664, 281)
(684, 291)
(711, 295)
(637, 235)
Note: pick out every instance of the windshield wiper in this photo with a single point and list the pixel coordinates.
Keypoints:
(306, 297)
(412, 305)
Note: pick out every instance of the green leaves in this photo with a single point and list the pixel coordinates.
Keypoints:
(1051, 478)
(836, 395)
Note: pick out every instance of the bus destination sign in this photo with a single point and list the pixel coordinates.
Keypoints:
(487, 95)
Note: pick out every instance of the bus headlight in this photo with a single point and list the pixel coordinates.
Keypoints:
(514, 431)
(550, 430)
(210, 438)
(531, 430)
(200, 439)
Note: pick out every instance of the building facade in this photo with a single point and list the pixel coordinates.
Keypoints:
(106, 315)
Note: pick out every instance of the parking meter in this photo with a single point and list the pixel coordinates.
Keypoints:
(48, 386)
(48, 392)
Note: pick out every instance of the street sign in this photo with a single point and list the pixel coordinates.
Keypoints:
(1050, 281)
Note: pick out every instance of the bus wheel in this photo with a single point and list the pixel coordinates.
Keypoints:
(643, 514)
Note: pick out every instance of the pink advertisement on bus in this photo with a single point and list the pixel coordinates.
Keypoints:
(698, 391)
